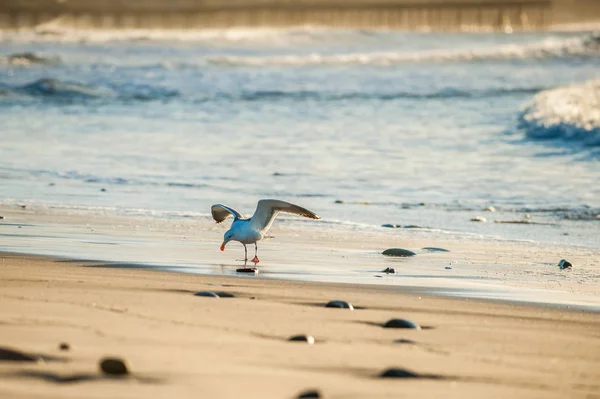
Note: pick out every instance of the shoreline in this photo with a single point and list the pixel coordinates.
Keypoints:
(180, 344)
(471, 266)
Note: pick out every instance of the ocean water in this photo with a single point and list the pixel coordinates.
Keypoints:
(409, 129)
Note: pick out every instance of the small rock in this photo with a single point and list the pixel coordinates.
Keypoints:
(51, 184)
(11, 355)
(103, 190)
(478, 219)
(388, 225)
(339, 202)
(1, 217)
(518, 221)
(411, 226)
(114, 366)
(339, 304)
(490, 209)
(309, 394)
(23, 206)
(63, 346)
(309, 339)
(401, 323)
(448, 268)
(564, 264)
(398, 252)
(207, 294)
(398, 373)
(435, 249)
(527, 216)
(389, 270)
(277, 174)
(253, 270)
(404, 341)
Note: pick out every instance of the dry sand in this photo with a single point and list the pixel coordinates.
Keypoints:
(181, 345)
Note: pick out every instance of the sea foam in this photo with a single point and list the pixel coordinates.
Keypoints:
(568, 113)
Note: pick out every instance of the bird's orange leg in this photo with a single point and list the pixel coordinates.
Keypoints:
(255, 259)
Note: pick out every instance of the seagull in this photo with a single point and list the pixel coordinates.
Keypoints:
(251, 230)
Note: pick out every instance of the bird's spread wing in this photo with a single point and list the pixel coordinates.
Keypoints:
(267, 210)
(221, 212)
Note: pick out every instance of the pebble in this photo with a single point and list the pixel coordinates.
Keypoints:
(309, 394)
(564, 264)
(309, 339)
(339, 202)
(388, 225)
(401, 323)
(206, 293)
(63, 346)
(247, 270)
(103, 190)
(114, 366)
(448, 268)
(16, 356)
(404, 341)
(490, 209)
(398, 252)
(478, 219)
(339, 304)
(398, 373)
(1, 217)
(435, 249)
(389, 270)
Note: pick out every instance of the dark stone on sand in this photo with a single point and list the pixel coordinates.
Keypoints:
(398, 373)
(309, 339)
(448, 268)
(252, 270)
(339, 202)
(114, 366)
(309, 394)
(23, 206)
(389, 270)
(339, 304)
(103, 190)
(1, 217)
(405, 341)
(11, 355)
(388, 225)
(398, 252)
(51, 184)
(277, 174)
(401, 323)
(209, 294)
(435, 249)
(411, 226)
(63, 346)
(564, 264)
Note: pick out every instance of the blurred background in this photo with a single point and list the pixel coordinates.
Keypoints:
(397, 112)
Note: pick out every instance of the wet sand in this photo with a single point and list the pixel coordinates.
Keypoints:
(181, 345)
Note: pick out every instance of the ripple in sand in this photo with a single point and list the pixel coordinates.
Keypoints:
(339, 304)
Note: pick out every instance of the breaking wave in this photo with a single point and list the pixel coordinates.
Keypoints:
(27, 59)
(579, 46)
(569, 113)
(55, 89)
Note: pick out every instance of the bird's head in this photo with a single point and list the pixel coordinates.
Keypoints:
(228, 237)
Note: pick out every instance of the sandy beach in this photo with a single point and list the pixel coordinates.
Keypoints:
(182, 345)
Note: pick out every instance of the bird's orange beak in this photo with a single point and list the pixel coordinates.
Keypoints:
(223, 246)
